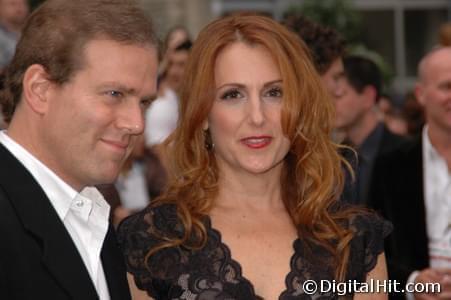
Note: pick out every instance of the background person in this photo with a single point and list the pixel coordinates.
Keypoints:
(12, 17)
(413, 186)
(357, 116)
(327, 49)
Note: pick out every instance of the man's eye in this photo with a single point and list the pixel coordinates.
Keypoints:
(114, 94)
(231, 94)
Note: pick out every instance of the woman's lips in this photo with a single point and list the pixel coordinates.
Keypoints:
(256, 142)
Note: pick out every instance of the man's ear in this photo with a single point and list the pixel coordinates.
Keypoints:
(35, 87)
(370, 94)
(419, 93)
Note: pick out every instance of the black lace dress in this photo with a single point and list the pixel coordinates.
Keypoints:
(210, 273)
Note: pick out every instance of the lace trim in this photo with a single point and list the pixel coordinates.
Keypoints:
(228, 257)
(212, 273)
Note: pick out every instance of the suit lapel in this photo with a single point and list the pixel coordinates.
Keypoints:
(414, 194)
(418, 194)
(114, 267)
(59, 254)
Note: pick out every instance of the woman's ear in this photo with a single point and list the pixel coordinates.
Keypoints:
(35, 86)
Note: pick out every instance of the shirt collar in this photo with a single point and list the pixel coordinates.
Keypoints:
(428, 148)
(60, 194)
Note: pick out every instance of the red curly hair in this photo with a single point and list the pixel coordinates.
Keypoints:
(312, 177)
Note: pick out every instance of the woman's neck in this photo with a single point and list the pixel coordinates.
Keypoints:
(243, 190)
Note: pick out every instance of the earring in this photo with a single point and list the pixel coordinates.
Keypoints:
(209, 145)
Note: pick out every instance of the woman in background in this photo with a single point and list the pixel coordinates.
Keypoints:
(251, 210)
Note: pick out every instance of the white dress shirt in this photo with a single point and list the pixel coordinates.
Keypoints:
(84, 214)
(437, 196)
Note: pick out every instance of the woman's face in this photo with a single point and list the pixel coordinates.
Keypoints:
(245, 119)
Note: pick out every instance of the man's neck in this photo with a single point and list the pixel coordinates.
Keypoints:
(360, 131)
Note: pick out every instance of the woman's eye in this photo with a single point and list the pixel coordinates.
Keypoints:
(232, 94)
(274, 92)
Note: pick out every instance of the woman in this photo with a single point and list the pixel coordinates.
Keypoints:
(251, 210)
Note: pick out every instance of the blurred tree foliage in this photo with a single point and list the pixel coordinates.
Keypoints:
(338, 14)
(344, 18)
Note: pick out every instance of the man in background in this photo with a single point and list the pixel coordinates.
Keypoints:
(357, 116)
(12, 17)
(327, 49)
(74, 95)
(412, 187)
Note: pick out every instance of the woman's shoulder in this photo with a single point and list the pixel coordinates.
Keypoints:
(370, 231)
(139, 234)
(147, 229)
(368, 224)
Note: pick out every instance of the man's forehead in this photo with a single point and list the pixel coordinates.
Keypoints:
(434, 60)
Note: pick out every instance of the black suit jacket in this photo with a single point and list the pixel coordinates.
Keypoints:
(38, 259)
(397, 193)
(388, 143)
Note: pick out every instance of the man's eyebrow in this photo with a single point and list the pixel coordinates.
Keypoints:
(118, 86)
(127, 90)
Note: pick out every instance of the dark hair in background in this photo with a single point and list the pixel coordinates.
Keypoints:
(362, 72)
(56, 33)
(184, 46)
(325, 43)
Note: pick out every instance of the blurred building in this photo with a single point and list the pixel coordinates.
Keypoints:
(400, 30)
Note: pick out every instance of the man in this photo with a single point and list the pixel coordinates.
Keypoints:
(356, 116)
(75, 94)
(327, 48)
(413, 186)
(12, 17)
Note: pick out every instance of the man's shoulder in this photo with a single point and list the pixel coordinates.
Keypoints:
(408, 150)
(391, 141)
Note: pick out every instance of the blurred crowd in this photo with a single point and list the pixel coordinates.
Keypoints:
(397, 164)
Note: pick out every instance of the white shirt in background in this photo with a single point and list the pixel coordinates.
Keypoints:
(132, 187)
(437, 202)
(437, 195)
(161, 118)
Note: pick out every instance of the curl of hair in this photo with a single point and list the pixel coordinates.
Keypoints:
(312, 177)
(325, 43)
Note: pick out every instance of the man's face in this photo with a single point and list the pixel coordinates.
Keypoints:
(13, 12)
(350, 107)
(93, 121)
(176, 69)
(333, 78)
(434, 90)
